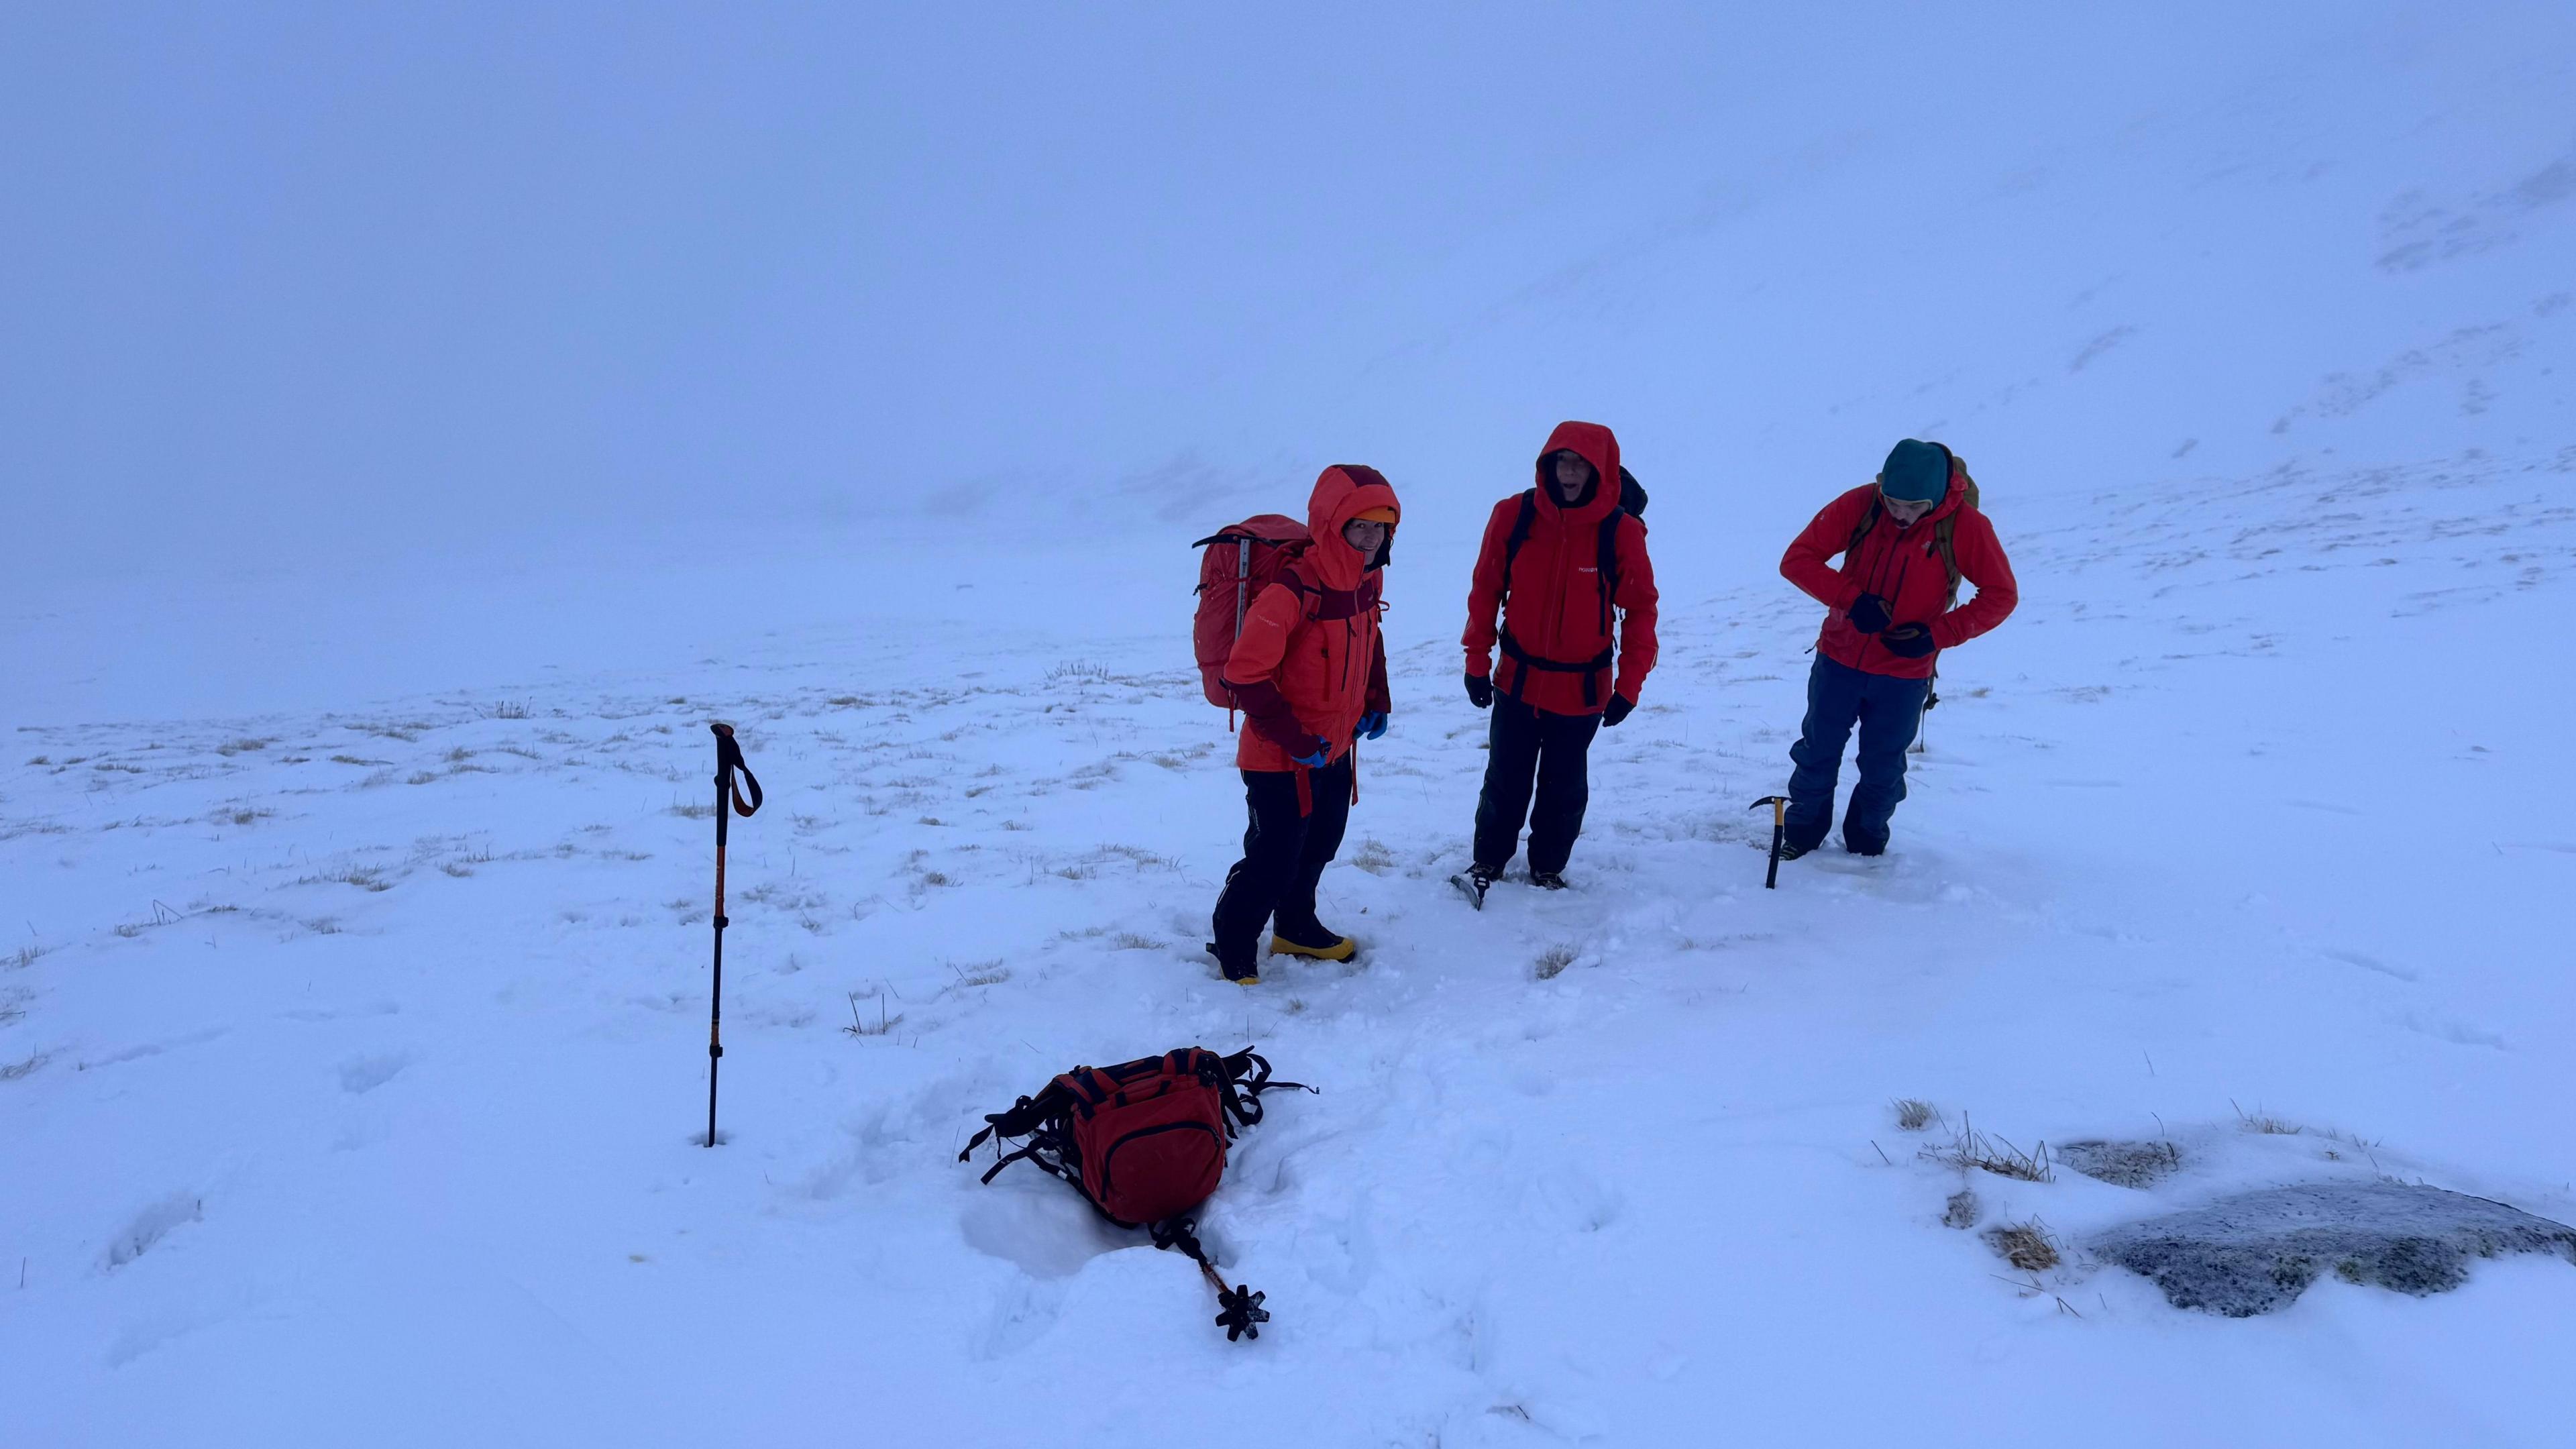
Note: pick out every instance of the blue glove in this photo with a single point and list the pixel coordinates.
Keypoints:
(1323, 755)
(1373, 724)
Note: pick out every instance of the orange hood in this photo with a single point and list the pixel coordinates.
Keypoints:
(1344, 492)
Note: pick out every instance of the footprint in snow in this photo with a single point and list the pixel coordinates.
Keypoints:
(142, 1233)
(363, 1074)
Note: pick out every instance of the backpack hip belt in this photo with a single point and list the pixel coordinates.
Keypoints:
(1591, 669)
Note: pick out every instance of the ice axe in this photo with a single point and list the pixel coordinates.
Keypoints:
(1779, 825)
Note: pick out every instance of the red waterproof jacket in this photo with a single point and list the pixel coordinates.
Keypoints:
(1904, 567)
(1555, 608)
(1309, 661)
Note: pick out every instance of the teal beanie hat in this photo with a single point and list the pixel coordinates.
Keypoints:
(1916, 472)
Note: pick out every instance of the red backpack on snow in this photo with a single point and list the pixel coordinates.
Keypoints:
(1145, 1143)
(1250, 556)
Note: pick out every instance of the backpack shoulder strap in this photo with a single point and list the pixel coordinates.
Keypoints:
(1609, 563)
(1868, 521)
(1945, 533)
(1521, 527)
(1245, 1076)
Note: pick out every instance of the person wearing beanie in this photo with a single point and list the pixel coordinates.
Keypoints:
(1562, 577)
(1907, 541)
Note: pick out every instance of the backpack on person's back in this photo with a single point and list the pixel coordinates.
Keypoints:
(1239, 562)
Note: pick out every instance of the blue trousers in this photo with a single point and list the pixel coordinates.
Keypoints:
(1888, 712)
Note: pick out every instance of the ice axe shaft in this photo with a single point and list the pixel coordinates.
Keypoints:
(1779, 826)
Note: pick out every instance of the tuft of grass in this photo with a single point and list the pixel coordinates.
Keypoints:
(1913, 1114)
(936, 878)
(14, 1070)
(364, 877)
(1553, 961)
(1130, 941)
(2264, 1122)
(693, 812)
(1973, 1149)
(420, 777)
(506, 709)
(2028, 1246)
(26, 956)
(981, 973)
(858, 1024)
(40, 760)
(240, 747)
(1962, 1210)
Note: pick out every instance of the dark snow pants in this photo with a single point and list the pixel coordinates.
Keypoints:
(1888, 711)
(1284, 855)
(1526, 742)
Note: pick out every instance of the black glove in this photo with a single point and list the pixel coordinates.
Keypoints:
(1480, 691)
(1908, 641)
(1620, 705)
(1868, 613)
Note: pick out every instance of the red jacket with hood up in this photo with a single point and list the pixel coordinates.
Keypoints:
(1308, 662)
(1902, 566)
(1553, 606)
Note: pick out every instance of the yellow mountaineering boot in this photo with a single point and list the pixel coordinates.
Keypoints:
(1315, 942)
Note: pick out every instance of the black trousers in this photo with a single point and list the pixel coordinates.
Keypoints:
(1527, 742)
(1284, 855)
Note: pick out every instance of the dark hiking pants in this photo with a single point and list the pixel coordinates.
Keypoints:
(1284, 855)
(1888, 712)
(1526, 743)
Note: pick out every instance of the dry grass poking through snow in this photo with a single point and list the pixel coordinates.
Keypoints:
(1971, 1148)
(1553, 961)
(1913, 1114)
(2264, 1122)
(2027, 1246)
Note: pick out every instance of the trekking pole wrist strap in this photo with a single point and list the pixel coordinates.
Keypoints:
(728, 761)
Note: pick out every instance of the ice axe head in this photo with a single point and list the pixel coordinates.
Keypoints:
(1778, 803)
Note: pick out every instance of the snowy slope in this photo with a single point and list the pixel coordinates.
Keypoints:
(351, 1053)
(366, 1045)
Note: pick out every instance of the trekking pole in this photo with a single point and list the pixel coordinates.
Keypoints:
(1779, 820)
(728, 760)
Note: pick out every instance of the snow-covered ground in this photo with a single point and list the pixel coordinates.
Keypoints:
(354, 1058)
(355, 850)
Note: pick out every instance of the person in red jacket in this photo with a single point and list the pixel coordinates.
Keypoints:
(1309, 671)
(1565, 569)
(1906, 540)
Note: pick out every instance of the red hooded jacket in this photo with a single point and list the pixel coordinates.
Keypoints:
(1902, 566)
(1554, 608)
(1308, 662)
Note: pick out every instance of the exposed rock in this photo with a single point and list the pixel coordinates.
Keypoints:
(2122, 1164)
(2259, 1251)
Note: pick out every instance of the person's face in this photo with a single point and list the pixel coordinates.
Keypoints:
(1572, 472)
(1367, 535)
(1907, 512)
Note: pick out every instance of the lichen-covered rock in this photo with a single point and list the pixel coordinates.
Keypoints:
(2259, 1251)
(2122, 1164)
